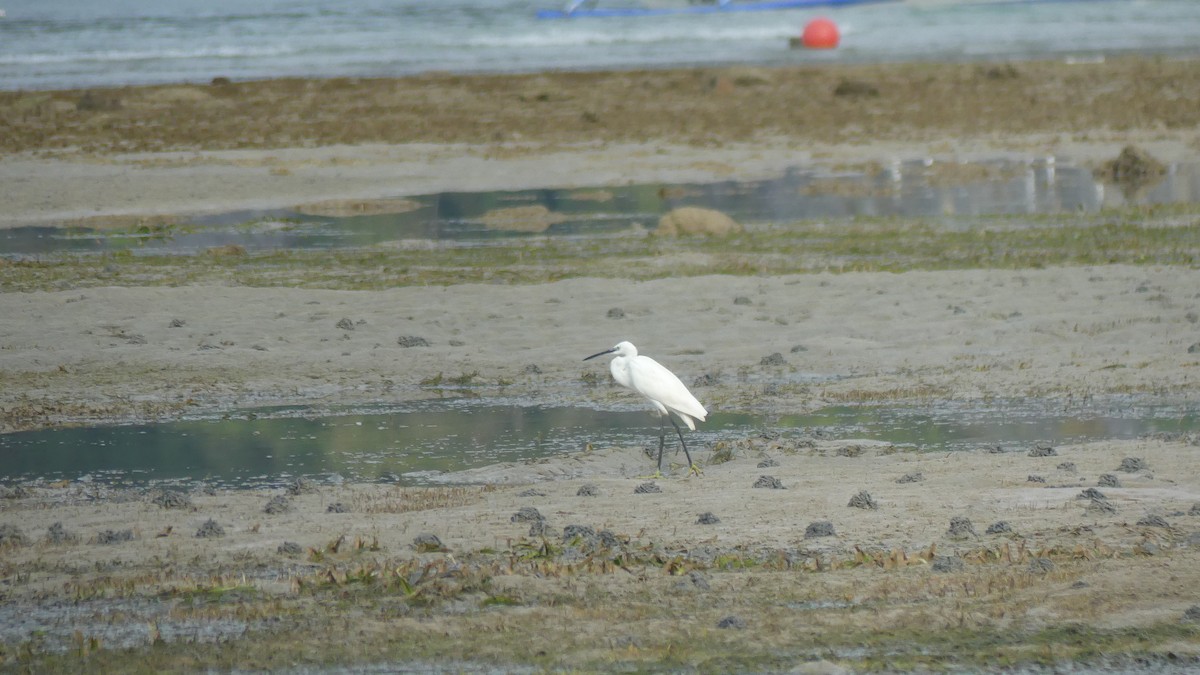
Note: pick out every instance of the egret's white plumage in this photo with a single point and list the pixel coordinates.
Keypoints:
(660, 386)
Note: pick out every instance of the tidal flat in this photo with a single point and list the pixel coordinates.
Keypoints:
(811, 551)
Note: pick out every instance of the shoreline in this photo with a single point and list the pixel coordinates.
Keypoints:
(987, 60)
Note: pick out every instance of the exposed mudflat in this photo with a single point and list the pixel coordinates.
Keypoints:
(823, 555)
(842, 551)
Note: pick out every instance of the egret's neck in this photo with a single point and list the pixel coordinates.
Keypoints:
(619, 367)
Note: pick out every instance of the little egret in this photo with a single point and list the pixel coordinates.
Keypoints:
(660, 386)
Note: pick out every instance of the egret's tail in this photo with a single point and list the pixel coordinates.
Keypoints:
(694, 412)
(687, 419)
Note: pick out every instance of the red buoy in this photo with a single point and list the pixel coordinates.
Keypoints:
(820, 34)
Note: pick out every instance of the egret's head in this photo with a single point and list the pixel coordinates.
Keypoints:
(622, 348)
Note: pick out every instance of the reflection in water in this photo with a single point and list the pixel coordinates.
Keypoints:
(409, 444)
(908, 189)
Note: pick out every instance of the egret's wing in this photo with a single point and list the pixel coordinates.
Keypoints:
(652, 380)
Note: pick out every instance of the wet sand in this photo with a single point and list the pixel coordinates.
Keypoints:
(125, 582)
(127, 353)
(943, 554)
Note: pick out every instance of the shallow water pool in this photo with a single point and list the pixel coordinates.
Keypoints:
(951, 194)
(411, 443)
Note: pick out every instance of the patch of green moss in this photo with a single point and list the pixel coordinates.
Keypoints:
(1136, 236)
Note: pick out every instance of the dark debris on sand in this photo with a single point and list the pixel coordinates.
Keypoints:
(769, 482)
(210, 528)
(820, 528)
(774, 359)
(171, 499)
(732, 621)
(1133, 465)
(113, 536)
(57, 534)
(695, 581)
(1153, 521)
(428, 543)
(301, 486)
(948, 563)
(1041, 565)
(278, 504)
(863, 500)
(527, 514)
(583, 532)
(11, 535)
(1042, 449)
(999, 527)
(961, 528)
(852, 450)
(290, 548)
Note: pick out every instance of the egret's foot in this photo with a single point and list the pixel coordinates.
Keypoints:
(695, 470)
(654, 476)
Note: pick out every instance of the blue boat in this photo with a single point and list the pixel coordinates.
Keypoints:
(589, 8)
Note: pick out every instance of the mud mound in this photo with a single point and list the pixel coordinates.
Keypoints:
(695, 220)
(536, 218)
(340, 208)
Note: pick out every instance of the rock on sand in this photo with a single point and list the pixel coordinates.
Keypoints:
(695, 220)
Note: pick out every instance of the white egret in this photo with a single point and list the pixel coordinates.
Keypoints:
(661, 387)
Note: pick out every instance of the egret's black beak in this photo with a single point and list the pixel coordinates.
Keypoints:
(606, 351)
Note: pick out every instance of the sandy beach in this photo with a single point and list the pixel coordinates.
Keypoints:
(799, 554)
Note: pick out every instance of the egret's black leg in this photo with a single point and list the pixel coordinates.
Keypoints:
(662, 440)
(685, 450)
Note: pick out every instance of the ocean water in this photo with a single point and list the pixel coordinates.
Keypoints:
(51, 44)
